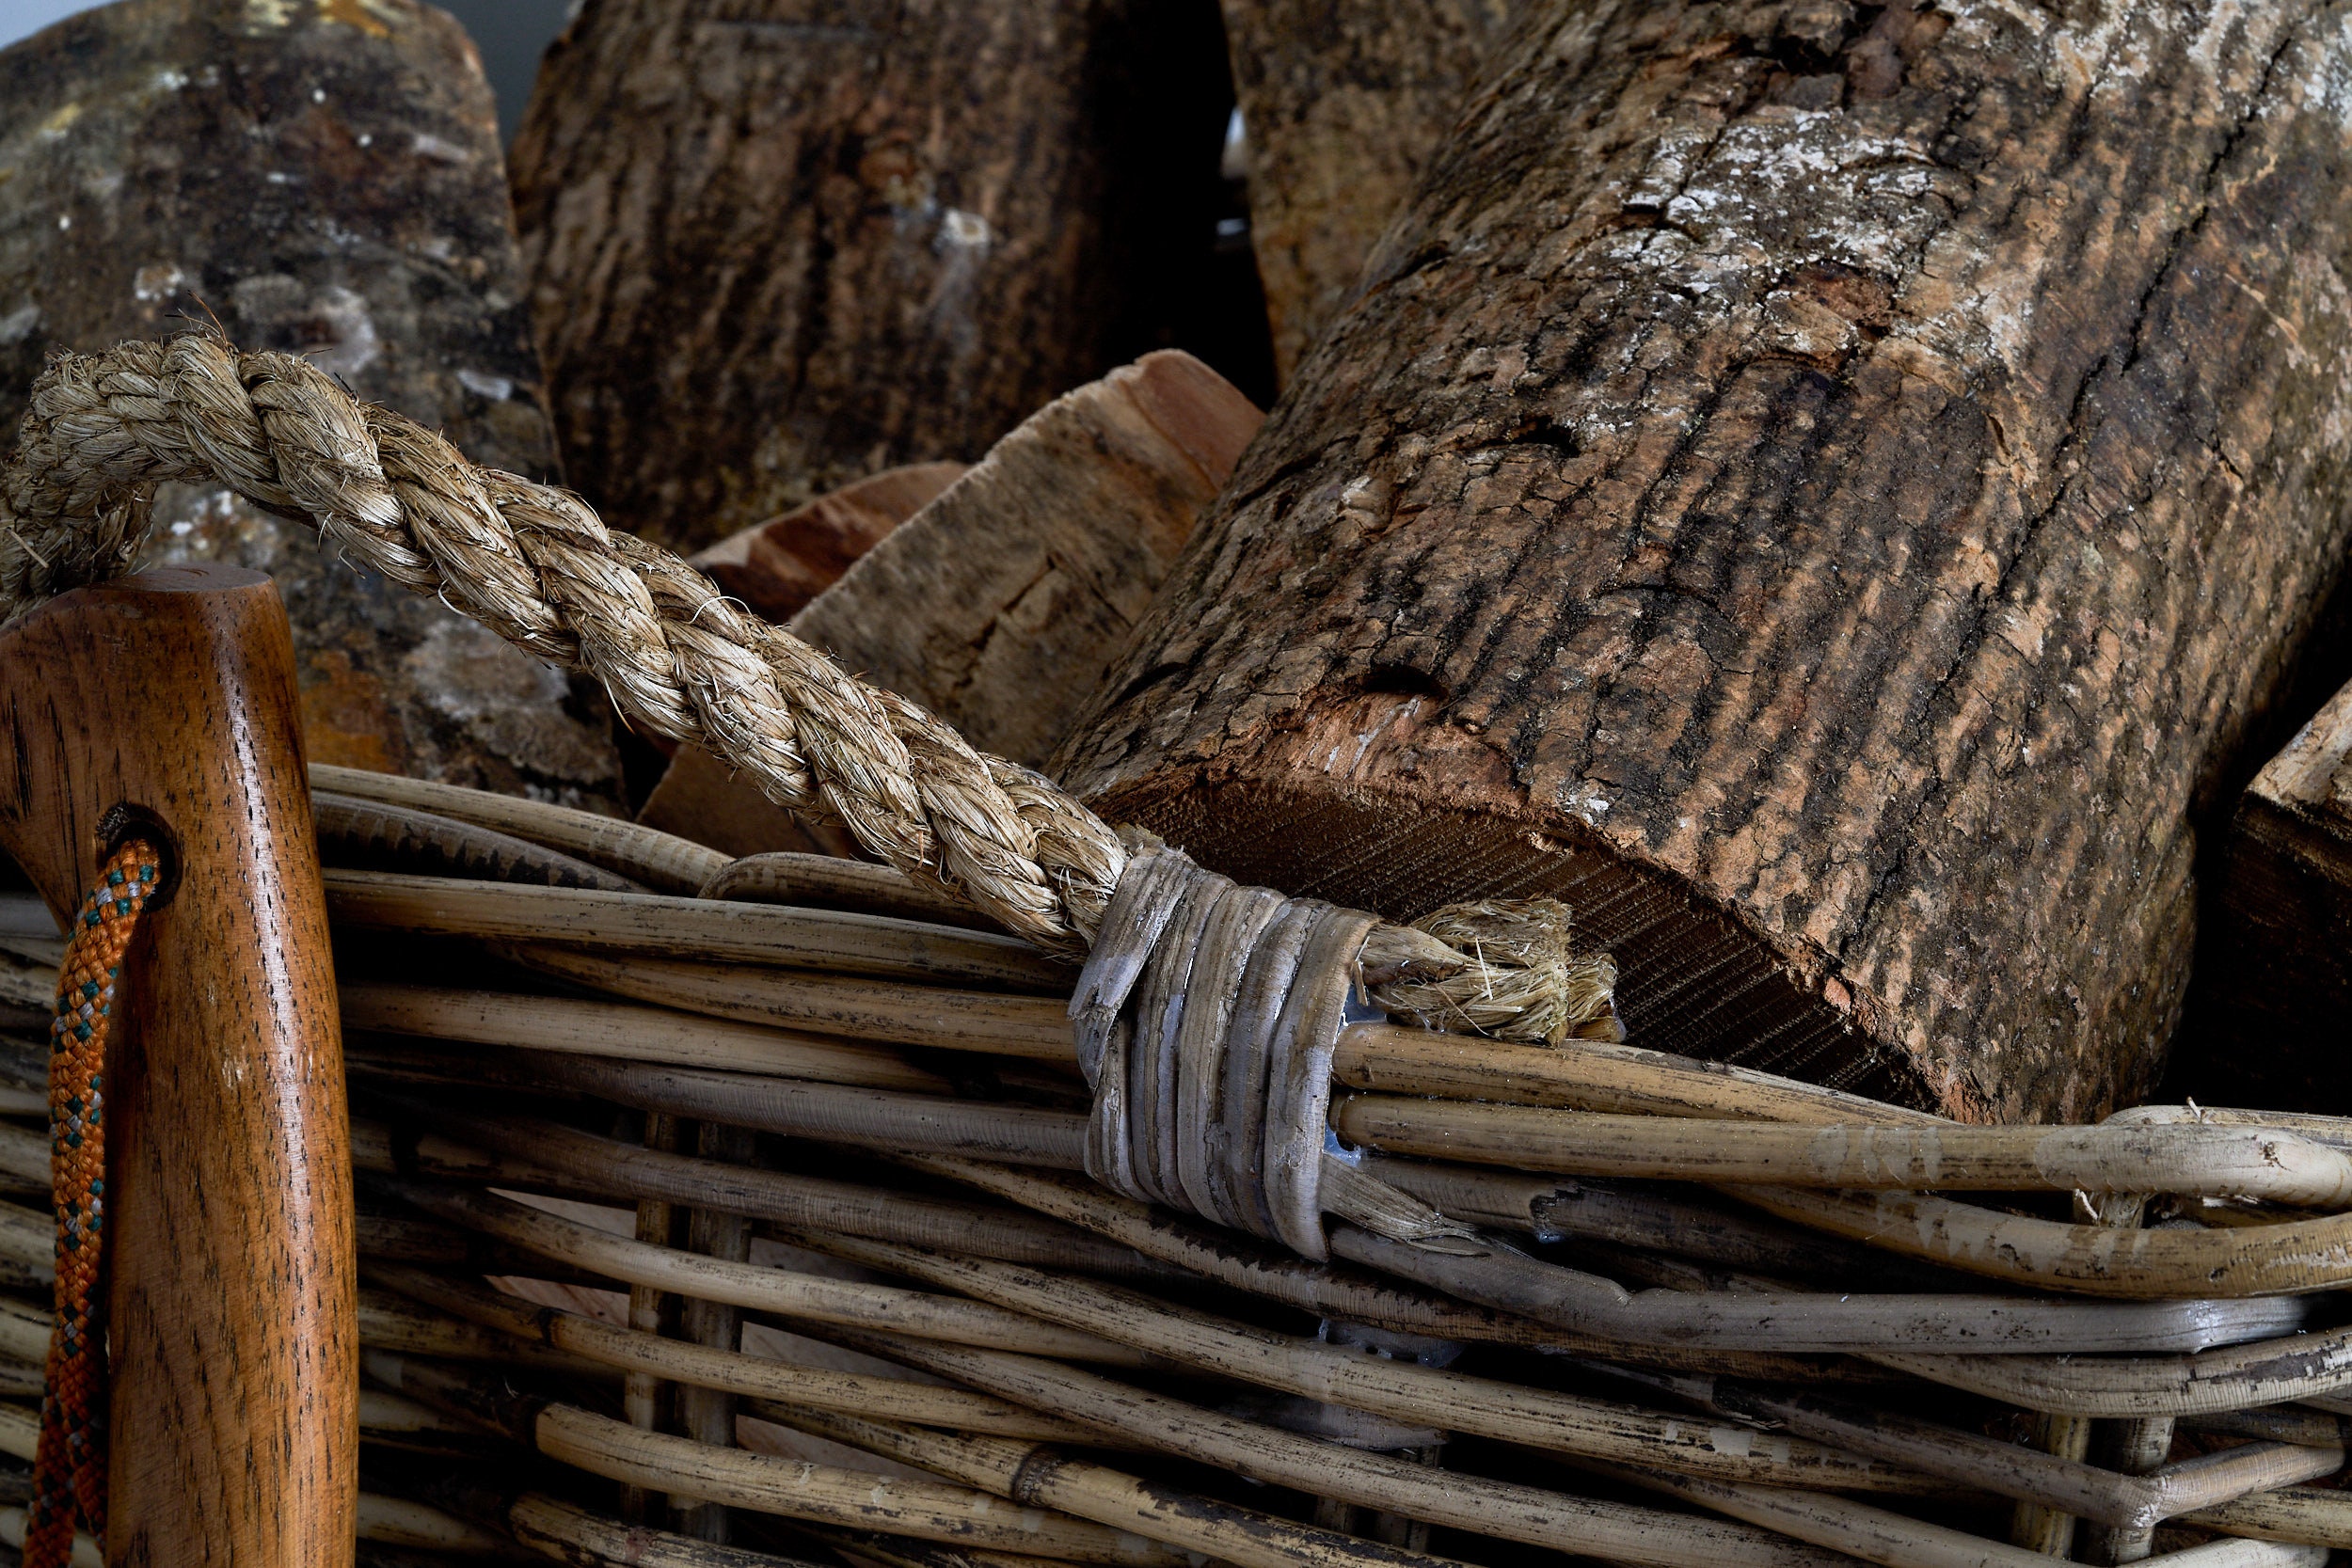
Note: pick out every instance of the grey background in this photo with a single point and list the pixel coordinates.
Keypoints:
(509, 33)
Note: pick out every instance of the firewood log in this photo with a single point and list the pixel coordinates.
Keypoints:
(998, 606)
(1341, 106)
(1001, 603)
(777, 566)
(773, 250)
(2274, 965)
(1823, 503)
(325, 180)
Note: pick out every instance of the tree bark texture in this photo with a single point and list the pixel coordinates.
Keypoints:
(1000, 604)
(1828, 501)
(778, 245)
(325, 180)
(1343, 104)
(2274, 971)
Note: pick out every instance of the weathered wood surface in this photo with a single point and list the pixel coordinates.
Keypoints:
(2274, 970)
(1343, 104)
(700, 799)
(1000, 604)
(233, 1306)
(777, 566)
(325, 180)
(1828, 506)
(776, 245)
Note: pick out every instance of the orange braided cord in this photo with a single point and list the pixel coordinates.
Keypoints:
(70, 1474)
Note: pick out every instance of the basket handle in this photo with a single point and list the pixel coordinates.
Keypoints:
(165, 701)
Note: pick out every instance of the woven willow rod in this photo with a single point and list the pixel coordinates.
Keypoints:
(1460, 1502)
(833, 941)
(569, 1533)
(359, 833)
(548, 1157)
(1507, 1509)
(1028, 1473)
(683, 1361)
(1894, 1541)
(1258, 1269)
(660, 860)
(927, 1511)
(2155, 1265)
(2189, 1158)
(1108, 1518)
(758, 1286)
(625, 1032)
(2090, 1491)
(1415, 1394)
(1585, 1305)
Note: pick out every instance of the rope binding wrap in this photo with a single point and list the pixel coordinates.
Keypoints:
(70, 1472)
(1205, 1019)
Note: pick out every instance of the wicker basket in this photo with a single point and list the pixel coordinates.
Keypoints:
(719, 1212)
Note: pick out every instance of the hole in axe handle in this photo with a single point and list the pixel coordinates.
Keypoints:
(124, 821)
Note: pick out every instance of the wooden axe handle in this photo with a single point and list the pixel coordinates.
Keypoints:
(166, 701)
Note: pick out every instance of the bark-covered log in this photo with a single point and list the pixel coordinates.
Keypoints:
(1828, 501)
(1342, 104)
(777, 566)
(2274, 969)
(776, 245)
(999, 605)
(325, 180)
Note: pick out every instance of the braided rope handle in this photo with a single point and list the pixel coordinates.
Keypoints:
(536, 566)
(680, 660)
(70, 1466)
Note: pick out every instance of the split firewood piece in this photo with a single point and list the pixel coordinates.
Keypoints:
(769, 256)
(777, 566)
(700, 798)
(1000, 604)
(1822, 508)
(1341, 106)
(2274, 969)
(325, 180)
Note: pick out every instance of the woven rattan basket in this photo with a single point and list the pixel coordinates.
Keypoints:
(1030, 1193)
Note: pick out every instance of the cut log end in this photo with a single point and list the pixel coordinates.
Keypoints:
(1691, 980)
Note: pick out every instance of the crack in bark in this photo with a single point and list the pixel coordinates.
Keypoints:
(1903, 842)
